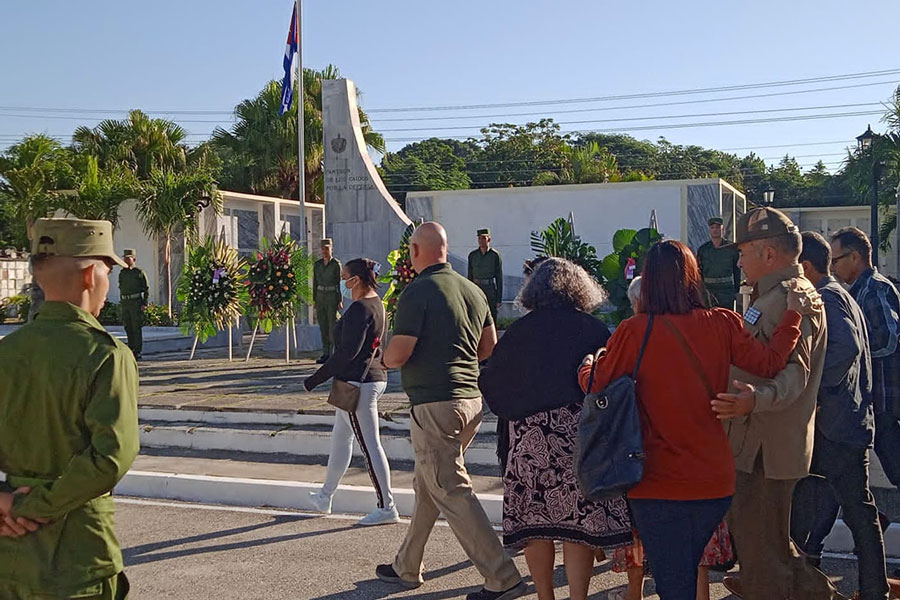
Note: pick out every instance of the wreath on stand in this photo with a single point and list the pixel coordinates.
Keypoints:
(401, 273)
(278, 282)
(211, 289)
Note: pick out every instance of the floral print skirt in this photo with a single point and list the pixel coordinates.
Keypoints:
(541, 499)
(718, 552)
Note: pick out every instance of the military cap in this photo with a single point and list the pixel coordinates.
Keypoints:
(129, 252)
(76, 238)
(484, 231)
(715, 221)
(762, 223)
(326, 242)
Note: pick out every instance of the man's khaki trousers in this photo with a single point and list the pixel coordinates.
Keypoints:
(441, 432)
(772, 568)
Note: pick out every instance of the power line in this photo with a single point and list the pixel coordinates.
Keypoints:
(694, 91)
(634, 106)
(688, 116)
(681, 125)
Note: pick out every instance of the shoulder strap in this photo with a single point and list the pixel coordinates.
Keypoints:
(691, 356)
(643, 347)
(374, 350)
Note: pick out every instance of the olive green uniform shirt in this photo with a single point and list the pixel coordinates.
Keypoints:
(486, 270)
(326, 279)
(721, 274)
(133, 286)
(446, 313)
(781, 425)
(68, 429)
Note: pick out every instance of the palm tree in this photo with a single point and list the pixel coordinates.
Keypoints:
(138, 142)
(98, 194)
(260, 152)
(586, 163)
(170, 202)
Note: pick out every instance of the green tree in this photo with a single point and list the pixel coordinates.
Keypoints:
(512, 155)
(260, 155)
(138, 142)
(30, 172)
(170, 203)
(432, 164)
(584, 163)
(98, 194)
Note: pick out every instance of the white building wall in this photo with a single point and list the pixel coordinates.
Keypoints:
(513, 213)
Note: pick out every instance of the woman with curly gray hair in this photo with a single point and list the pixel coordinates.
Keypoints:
(529, 381)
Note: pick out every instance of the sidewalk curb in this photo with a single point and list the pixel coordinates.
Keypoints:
(271, 493)
(353, 499)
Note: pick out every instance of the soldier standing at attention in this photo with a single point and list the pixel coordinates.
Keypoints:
(327, 295)
(133, 292)
(68, 390)
(486, 271)
(718, 265)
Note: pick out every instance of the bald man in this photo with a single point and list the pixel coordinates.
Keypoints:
(442, 329)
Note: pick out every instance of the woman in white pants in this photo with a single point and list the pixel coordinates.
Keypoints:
(357, 360)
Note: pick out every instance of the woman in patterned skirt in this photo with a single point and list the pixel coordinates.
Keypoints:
(530, 381)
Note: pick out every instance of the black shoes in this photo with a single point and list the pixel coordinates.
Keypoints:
(513, 592)
(321, 360)
(388, 574)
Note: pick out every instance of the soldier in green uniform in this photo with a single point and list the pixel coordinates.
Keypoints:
(327, 295)
(718, 260)
(68, 394)
(133, 292)
(486, 271)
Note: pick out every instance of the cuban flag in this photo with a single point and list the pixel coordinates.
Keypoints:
(290, 49)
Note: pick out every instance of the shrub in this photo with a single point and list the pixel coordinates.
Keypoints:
(110, 314)
(156, 315)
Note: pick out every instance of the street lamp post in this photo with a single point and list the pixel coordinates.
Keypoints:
(865, 144)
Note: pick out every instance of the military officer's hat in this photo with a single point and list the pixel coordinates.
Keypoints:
(762, 223)
(76, 238)
(326, 242)
(715, 221)
(129, 252)
(484, 231)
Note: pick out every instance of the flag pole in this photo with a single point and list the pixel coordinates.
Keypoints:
(304, 236)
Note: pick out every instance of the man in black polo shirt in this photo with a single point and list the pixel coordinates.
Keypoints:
(442, 329)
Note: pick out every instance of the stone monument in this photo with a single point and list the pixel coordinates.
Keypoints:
(360, 215)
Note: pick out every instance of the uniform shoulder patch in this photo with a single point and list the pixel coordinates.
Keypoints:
(752, 315)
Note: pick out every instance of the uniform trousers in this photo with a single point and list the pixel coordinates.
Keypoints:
(363, 425)
(111, 588)
(441, 432)
(326, 315)
(772, 568)
(133, 320)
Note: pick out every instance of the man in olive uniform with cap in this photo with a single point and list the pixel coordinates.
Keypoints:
(486, 271)
(718, 260)
(133, 292)
(770, 422)
(327, 295)
(68, 393)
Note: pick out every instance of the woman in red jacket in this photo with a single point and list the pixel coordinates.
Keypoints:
(689, 471)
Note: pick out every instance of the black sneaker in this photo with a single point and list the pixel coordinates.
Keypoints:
(388, 574)
(513, 592)
(321, 360)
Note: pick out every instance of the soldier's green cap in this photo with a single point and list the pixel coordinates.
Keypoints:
(715, 221)
(129, 252)
(326, 242)
(484, 231)
(762, 223)
(76, 238)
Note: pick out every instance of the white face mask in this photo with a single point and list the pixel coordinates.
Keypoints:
(346, 292)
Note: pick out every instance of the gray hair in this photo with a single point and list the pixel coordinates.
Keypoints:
(634, 290)
(559, 283)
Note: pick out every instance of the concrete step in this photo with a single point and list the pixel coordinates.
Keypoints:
(280, 433)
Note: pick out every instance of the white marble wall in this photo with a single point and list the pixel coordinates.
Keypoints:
(15, 274)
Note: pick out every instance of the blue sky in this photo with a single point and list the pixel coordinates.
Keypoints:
(204, 55)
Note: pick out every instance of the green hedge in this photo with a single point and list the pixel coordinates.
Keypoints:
(155, 315)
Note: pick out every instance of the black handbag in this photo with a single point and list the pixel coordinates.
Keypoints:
(609, 451)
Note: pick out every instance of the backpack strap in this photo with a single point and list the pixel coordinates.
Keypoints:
(691, 356)
(643, 347)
